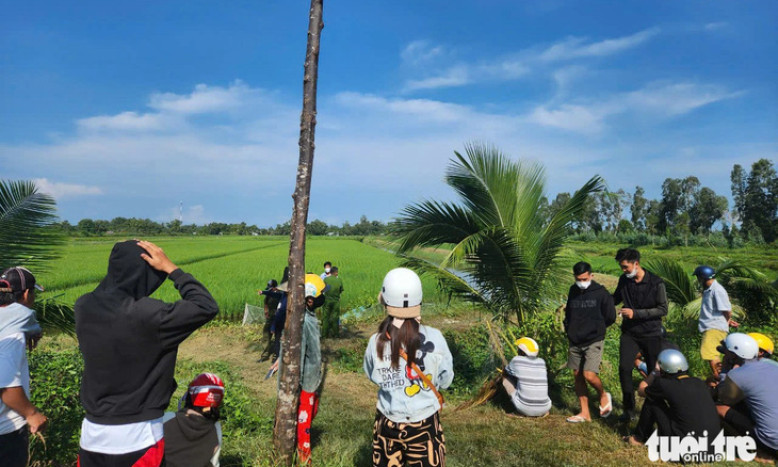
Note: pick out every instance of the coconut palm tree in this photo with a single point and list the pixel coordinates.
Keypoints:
(504, 251)
(28, 240)
(744, 284)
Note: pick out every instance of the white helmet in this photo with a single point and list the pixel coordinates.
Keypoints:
(401, 293)
(742, 345)
(672, 361)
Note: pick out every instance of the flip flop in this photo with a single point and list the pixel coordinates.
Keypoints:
(577, 419)
(608, 409)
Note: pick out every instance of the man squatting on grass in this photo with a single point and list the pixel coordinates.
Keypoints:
(18, 326)
(129, 343)
(645, 303)
(588, 313)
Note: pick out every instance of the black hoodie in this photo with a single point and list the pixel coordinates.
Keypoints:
(588, 313)
(190, 440)
(129, 341)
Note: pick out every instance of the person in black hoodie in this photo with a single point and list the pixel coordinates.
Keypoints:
(129, 343)
(193, 435)
(644, 298)
(588, 313)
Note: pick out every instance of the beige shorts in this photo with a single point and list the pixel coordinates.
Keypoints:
(710, 340)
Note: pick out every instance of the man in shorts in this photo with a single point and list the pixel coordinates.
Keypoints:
(715, 317)
(588, 314)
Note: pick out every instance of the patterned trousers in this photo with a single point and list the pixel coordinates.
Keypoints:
(419, 444)
(309, 406)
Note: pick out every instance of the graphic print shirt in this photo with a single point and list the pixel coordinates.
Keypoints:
(403, 397)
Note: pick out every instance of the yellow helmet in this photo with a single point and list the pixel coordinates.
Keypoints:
(528, 346)
(313, 285)
(764, 342)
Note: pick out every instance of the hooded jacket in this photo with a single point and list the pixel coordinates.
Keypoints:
(588, 314)
(130, 341)
(191, 440)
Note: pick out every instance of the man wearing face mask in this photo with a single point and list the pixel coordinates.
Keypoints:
(644, 300)
(327, 270)
(588, 313)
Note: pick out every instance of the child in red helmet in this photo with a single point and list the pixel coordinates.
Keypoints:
(193, 435)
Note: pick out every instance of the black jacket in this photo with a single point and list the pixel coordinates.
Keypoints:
(588, 314)
(691, 407)
(648, 299)
(190, 440)
(129, 341)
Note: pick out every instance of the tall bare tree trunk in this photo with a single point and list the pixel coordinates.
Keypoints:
(284, 431)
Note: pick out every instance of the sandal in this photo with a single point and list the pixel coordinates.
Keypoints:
(577, 419)
(608, 409)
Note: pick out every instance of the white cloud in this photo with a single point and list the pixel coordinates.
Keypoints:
(715, 26)
(131, 121)
(61, 190)
(677, 98)
(204, 99)
(575, 118)
(377, 153)
(423, 56)
(456, 76)
(578, 47)
(421, 51)
(656, 100)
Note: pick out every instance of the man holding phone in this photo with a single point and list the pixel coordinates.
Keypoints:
(644, 299)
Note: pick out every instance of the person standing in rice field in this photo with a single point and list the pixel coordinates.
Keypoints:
(409, 362)
(331, 309)
(272, 299)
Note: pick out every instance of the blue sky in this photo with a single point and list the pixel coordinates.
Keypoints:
(128, 108)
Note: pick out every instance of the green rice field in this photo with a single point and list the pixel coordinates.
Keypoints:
(232, 268)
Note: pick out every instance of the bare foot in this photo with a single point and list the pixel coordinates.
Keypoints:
(633, 441)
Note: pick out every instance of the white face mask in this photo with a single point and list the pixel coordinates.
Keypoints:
(631, 275)
(583, 284)
(327, 270)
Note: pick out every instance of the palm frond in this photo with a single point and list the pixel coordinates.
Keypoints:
(25, 217)
(432, 223)
(55, 316)
(680, 287)
(551, 240)
(485, 180)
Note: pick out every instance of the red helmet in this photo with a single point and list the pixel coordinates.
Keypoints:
(206, 390)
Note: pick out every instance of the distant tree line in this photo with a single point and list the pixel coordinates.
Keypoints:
(134, 226)
(687, 213)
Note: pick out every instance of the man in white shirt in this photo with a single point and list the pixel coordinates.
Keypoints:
(18, 416)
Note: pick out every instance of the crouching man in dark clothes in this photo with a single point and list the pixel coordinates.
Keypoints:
(678, 404)
(129, 343)
(193, 435)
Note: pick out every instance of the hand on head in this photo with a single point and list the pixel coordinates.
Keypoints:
(156, 258)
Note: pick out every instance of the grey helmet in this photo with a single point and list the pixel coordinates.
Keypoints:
(672, 361)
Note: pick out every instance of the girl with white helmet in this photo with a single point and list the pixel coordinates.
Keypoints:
(410, 363)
